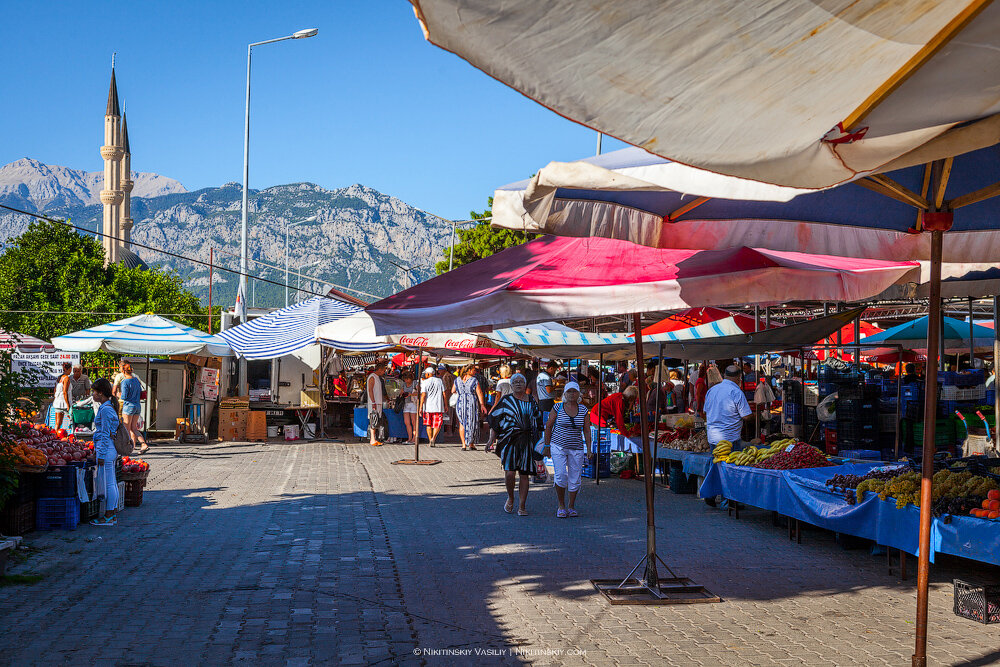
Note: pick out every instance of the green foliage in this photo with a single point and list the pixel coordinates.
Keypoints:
(481, 241)
(59, 279)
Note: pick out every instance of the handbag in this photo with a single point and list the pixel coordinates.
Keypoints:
(453, 400)
(378, 426)
(397, 405)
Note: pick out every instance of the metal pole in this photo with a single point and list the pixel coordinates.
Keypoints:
(286, 265)
(650, 578)
(600, 397)
(211, 263)
(243, 390)
(600, 140)
(972, 341)
(451, 253)
(996, 358)
(857, 342)
(919, 658)
(756, 370)
(656, 403)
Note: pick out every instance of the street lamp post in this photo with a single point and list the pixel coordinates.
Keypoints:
(311, 218)
(298, 275)
(241, 305)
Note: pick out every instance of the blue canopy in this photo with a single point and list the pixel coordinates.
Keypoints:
(913, 335)
(285, 330)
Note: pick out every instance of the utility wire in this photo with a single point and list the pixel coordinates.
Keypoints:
(177, 255)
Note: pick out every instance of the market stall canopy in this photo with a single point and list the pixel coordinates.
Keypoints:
(147, 335)
(795, 92)
(10, 340)
(693, 317)
(633, 196)
(907, 356)
(286, 330)
(913, 335)
(675, 344)
(357, 333)
(554, 278)
(846, 337)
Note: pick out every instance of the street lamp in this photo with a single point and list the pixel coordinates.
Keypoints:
(298, 274)
(311, 218)
(301, 34)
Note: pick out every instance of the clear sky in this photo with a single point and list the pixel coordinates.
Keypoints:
(367, 100)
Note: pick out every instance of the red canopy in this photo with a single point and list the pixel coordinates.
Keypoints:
(553, 278)
(693, 317)
(846, 337)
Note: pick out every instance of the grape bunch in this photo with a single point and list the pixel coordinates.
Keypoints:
(852, 481)
(959, 506)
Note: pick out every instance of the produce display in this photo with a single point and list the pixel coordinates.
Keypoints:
(134, 466)
(696, 442)
(27, 455)
(722, 451)
(849, 483)
(753, 455)
(57, 449)
(953, 492)
(800, 456)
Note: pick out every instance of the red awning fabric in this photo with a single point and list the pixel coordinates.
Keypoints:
(10, 340)
(553, 278)
(847, 336)
(693, 317)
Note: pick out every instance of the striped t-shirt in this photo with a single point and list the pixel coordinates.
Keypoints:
(568, 431)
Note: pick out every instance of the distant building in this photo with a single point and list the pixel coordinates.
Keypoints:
(117, 193)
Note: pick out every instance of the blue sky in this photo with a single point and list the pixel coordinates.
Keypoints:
(368, 100)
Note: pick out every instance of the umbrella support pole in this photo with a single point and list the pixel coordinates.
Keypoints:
(416, 460)
(650, 589)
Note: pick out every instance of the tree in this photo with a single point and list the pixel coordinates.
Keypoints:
(53, 281)
(481, 241)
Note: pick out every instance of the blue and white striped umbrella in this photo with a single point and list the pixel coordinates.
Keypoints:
(149, 335)
(285, 330)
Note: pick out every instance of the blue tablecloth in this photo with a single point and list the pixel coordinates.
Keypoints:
(397, 427)
(803, 495)
(693, 463)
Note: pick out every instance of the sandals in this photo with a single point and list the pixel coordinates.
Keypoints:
(572, 512)
(377, 444)
(472, 448)
(561, 514)
(521, 512)
(508, 507)
(464, 448)
(144, 448)
(104, 521)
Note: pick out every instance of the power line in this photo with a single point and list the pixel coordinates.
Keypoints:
(177, 255)
(91, 312)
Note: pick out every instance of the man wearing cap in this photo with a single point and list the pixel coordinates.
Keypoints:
(432, 404)
(726, 408)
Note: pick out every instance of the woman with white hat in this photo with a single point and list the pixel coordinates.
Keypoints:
(566, 433)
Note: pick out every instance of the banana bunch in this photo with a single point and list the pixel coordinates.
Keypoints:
(722, 451)
(743, 458)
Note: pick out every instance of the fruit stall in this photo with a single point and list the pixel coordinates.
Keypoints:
(867, 499)
(56, 475)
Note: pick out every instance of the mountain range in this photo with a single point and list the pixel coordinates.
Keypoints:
(358, 238)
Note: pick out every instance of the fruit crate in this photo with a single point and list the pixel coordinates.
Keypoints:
(17, 518)
(913, 390)
(25, 491)
(603, 468)
(945, 434)
(946, 409)
(857, 410)
(913, 409)
(58, 481)
(969, 378)
(954, 393)
(991, 397)
(681, 482)
(89, 510)
(977, 602)
(57, 513)
(887, 423)
(856, 390)
(134, 487)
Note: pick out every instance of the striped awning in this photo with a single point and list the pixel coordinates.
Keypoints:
(148, 335)
(10, 340)
(286, 330)
(530, 337)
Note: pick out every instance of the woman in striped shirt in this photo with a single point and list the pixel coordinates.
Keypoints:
(566, 433)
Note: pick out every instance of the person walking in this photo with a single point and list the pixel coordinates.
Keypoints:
(543, 384)
(375, 394)
(410, 416)
(131, 391)
(432, 404)
(566, 433)
(61, 399)
(700, 389)
(448, 380)
(502, 389)
(518, 423)
(105, 425)
(469, 407)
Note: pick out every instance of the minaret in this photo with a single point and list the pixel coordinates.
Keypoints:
(127, 184)
(112, 194)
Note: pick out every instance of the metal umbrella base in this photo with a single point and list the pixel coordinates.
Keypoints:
(650, 589)
(415, 462)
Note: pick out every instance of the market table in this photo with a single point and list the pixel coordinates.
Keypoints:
(397, 427)
(803, 495)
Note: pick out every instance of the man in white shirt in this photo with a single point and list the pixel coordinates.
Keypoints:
(543, 384)
(726, 408)
(432, 404)
(375, 392)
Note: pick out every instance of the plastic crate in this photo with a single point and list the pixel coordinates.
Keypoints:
(57, 513)
(913, 390)
(17, 518)
(857, 431)
(861, 454)
(913, 409)
(830, 441)
(944, 434)
(956, 393)
(970, 378)
(977, 602)
(58, 482)
(857, 390)
(89, 510)
(680, 482)
(948, 408)
(25, 491)
(134, 487)
(887, 423)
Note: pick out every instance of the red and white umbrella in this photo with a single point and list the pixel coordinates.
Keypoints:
(554, 278)
(10, 340)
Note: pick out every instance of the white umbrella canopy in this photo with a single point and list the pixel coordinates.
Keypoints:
(148, 335)
(794, 92)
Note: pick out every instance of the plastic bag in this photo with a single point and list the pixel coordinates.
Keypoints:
(826, 411)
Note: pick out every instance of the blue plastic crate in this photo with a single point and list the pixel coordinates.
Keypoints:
(862, 454)
(913, 390)
(57, 513)
(991, 396)
(947, 408)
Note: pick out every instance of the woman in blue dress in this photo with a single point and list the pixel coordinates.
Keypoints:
(469, 407)
(518, 424)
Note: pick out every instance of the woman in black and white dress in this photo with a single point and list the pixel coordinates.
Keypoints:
(518, 423)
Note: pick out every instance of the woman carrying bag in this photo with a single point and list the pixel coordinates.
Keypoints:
(105, 424)
(518, 423)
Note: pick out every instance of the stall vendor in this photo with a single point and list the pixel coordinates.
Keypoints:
(726, 408)
(340, 387)
(611, 410)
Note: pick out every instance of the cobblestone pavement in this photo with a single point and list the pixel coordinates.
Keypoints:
(325, 553)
